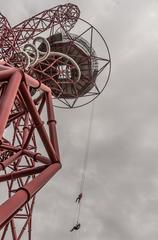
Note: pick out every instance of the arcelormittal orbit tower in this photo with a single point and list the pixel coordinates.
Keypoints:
(51, 59)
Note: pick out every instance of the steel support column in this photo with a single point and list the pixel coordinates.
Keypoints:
(9, 208)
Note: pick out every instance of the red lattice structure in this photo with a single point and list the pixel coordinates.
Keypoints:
(42, 61)
(25, 169)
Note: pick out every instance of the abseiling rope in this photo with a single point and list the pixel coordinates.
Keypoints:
(86, 156)
(84, 169)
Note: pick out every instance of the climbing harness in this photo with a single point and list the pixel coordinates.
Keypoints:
(76, 227)
(78, 199)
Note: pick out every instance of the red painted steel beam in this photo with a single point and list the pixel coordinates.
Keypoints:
(10, 160)
(10, 148)
(38, 123)
(25, 145)
(26, 129)
(32, 82)
(37, 156)
(6, 72)
(9, 208)
(14, 116)
(22, 173)
(7, 100)
(13, 229)
(52, 123)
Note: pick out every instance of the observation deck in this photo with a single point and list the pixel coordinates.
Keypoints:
(74, 81)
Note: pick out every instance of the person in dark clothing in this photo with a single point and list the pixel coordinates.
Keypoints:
(78, 199)
(76, 227)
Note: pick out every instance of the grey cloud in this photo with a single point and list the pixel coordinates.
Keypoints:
(120, 199)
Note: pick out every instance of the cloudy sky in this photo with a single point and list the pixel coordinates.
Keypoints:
(121, 190)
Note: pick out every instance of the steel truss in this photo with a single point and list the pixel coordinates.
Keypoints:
(12, 38)
(25, 169)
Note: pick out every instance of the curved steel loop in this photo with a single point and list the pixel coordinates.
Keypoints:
(26, 57)
(32, 52)
(64, 15)
(42, 54)
(68, 15)
(12, 38)
(36, 56)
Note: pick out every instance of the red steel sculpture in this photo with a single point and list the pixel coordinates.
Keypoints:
(41, 61)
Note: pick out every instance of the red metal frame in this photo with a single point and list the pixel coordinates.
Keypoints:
(23, 99)
(25, 170)
(65, 16)
(69, 91)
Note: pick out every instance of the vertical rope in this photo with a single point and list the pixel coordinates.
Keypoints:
(86, 157)
(84, 168)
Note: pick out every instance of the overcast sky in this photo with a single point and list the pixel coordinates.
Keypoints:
(121, 190)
